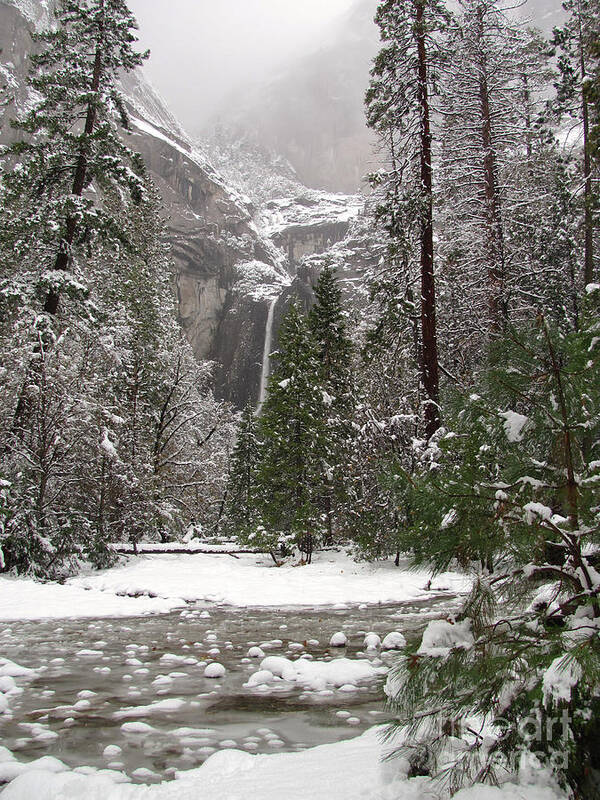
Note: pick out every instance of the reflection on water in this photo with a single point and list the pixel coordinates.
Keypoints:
(99, 676)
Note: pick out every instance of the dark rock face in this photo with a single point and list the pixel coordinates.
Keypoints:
(238, 349)
(15, 46)
(299, 241)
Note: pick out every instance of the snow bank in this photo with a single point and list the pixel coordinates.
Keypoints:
(22, 598)
(252, 580)
(350, 770)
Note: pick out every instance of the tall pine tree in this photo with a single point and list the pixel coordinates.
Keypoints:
(70, 152)
(399, 109)
(327, 324)
(292, 473)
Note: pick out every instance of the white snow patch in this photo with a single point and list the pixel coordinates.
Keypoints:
(167, 706)
(534, 512)
(514, 425)
(559, 680)
(441, 636)
(318, 675)
(349, 770)
(58, 601)
(251, 580)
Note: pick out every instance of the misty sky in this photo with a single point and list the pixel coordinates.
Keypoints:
(203, 49)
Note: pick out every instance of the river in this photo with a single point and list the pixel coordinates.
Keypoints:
(99, 675)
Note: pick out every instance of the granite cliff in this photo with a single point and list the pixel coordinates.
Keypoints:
(236, 245)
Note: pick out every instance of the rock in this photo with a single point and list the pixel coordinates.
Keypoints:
(372, 641)
(214, 670)
(394, 641)
(338, 640)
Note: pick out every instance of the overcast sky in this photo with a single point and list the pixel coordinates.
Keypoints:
(202, 49)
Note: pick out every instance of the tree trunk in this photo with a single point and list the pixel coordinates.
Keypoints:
(429, 357)
(493, 216)
(588, 195)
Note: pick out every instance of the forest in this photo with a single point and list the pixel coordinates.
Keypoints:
(446, 409)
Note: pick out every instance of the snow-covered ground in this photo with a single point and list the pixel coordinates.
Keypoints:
(22, 598)
(160, 583)
(350, 770)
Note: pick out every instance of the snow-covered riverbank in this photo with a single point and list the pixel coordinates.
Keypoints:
(161, 583)
(351, 770)
(346, 770)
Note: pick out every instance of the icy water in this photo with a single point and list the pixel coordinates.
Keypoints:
(98, 676)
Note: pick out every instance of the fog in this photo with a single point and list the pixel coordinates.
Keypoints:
(204, 49)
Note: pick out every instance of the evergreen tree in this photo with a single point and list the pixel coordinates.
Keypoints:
(327, 324)
(398, 109)
(70, 143)
(577, 43)
(491, 103)
(109, 430)
(515, 490)
(242, 488)
(293, 470)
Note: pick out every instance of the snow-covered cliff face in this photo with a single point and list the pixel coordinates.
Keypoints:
(214, 239)
(241, 236)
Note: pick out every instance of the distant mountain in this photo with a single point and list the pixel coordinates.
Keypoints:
(312, 114)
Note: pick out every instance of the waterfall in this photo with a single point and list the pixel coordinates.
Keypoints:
(266, 364)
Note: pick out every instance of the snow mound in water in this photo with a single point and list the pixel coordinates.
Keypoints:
(372, 641)
(161, 706)
(316, 675)
(394, 641)
(214, 670)
(9, 670)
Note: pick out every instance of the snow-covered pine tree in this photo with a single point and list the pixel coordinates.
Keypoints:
(173, 435)
(291, 475)
(70, 145)
(491, 102)
(399, 111)
(109, 430)
(241, 504)
(577, 43)
(592, 88)
(515, 491)
(327, 324)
